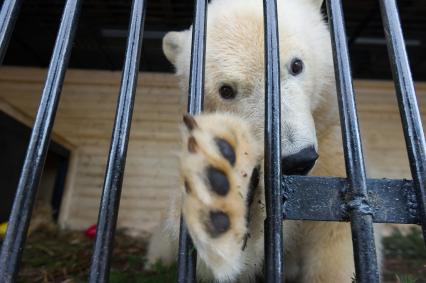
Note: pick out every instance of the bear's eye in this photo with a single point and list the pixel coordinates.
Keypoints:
(227, 92)
(296, 67)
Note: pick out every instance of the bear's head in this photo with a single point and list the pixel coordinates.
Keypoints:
(234, 74)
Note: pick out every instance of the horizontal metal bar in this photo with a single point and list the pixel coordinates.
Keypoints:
(8, 15)
(407, 101)
(37, 149)
(324, 199)
(110, 200)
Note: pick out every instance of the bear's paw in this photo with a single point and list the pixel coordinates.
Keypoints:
(220, 173)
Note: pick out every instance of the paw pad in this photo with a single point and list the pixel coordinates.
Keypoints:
(218, 181)
(218, 224)
(227, 150)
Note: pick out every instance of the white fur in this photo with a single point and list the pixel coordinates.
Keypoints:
(314, 251)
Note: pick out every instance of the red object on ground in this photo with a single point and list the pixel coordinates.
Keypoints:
(90, 232)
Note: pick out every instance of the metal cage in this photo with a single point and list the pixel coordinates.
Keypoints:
(287, 197)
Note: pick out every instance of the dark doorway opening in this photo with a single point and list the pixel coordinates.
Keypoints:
(14, 138)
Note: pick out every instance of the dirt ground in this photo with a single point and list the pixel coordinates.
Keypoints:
(52, 256)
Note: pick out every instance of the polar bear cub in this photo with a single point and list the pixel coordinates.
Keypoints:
(222, 194)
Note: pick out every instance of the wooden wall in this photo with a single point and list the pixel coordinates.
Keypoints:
(84, 124)
(381, 128)
(85, 119)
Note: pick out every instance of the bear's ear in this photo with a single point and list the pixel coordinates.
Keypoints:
(317, 3)
(173, 44)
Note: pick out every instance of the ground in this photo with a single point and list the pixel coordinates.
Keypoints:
(64, 257)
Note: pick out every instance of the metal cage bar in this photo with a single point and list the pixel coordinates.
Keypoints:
(407, 102)
(110, 200)
(8, 15)
(322, 199)
(360, 212)
(274, 271)
(187, 257)
(392, 201)
(13, 243)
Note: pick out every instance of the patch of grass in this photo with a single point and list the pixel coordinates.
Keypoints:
(63, 256)
(405, 278)
(405, 257)
(159, 274)
(59, 257)
(410, 246)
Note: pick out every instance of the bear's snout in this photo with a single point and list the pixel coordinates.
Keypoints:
(299, 163)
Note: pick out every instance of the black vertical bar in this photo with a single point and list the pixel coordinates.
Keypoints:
(274, 269)
(8, 15)
(108, 211)
(187, 257)
(13, 243)
(360, 211)
(198, 50)
(408, 108)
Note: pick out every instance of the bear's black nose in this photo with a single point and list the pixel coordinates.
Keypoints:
(299, 163)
